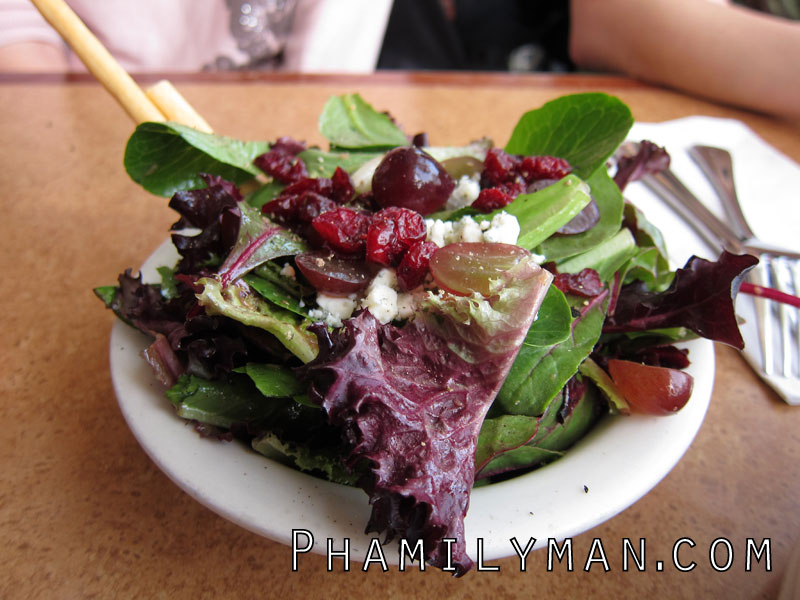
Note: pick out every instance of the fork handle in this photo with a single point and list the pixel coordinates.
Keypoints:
(717, 165)
(716, 232)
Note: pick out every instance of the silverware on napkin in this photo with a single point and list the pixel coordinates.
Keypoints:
(777, 355)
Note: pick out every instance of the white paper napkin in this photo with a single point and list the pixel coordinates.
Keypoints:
(768, 186)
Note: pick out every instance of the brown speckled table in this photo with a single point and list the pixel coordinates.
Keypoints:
(83, 511)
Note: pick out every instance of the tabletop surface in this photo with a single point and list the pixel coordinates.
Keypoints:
(85, 513)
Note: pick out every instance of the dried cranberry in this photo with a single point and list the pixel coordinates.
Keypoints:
(513, 174)
(290, 145)
(586, 284)
(409, 225)
(392, 232)
(382, 246)
(342, 188)
(344, 229)
(514, 188)
(499, 167)
(320, 185)
(282, 165)
(290, 207)
(283, 209)
(312, 205)
(491, 199)
(415, 265)
(533, 168)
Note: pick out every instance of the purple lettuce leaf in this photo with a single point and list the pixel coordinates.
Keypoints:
(411, 401)
(214, 211)
(164, 361)
(700, 298)
(650, 158)
(203, 345)
(146, 308)
(258, 241)
(201, 207)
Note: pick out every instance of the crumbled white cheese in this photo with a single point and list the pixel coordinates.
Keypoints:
(333, 309)
(362, 176)
(381, 297)
(288, 271)
(504, 229)
(467, 230)
(439, 231)
(407, 303)
(465, 193)
(385, 276)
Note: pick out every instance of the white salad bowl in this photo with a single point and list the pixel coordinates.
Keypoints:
(608, 470)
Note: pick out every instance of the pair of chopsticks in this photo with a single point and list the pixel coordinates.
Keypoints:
(161, 102)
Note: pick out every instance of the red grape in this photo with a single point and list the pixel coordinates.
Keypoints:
(410, 178)
(331, 274)
(464, 268)
(651, 390)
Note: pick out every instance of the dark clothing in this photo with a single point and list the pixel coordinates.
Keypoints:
(501, 35)
(788, 9)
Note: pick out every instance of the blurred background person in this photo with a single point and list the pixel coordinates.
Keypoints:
(203, 35)
(741, 55)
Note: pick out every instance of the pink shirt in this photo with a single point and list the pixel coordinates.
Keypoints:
(193, 35)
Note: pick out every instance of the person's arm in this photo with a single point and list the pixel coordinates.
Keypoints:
(27, 41)
(32, 57)
(722, 52)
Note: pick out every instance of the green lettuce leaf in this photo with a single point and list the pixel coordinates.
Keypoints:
(553, 322)
(348, 121)
(540, 372)
(276, 294)
(325, 461)
(320, 163)
(609, 202)
(512, 442)
(605, 258)
(223, 403)
(543, 213)
(651, 263)
(240, 303)
(166, 157)
(585, 129)
(616, 402)
(274, 381)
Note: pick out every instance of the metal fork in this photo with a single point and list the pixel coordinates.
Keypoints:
(778, 268)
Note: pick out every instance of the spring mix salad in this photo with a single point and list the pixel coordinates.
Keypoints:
(415, 319)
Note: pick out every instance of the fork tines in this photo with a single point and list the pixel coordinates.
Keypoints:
(781, 354)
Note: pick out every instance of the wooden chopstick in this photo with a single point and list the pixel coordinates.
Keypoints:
(175, 107)
(98, 60)
(160, 103)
